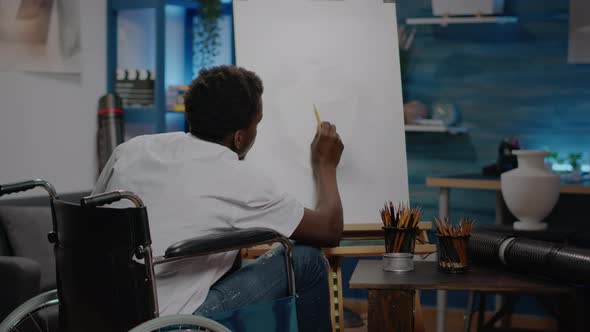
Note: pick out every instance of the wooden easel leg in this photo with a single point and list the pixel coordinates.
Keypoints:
(331, 276)
(391, 310)
(336, 301)
(340, 298)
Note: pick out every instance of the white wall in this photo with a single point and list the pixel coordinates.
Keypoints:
(48, 121)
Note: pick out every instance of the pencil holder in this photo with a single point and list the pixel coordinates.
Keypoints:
(398, 262)
(400, 240)
(452, 253)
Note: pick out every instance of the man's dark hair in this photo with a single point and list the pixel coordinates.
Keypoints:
(222, 100)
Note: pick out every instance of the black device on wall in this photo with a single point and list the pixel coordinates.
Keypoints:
(506, 159)
(111, 127)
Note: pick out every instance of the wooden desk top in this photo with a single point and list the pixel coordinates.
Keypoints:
(357, 232)
(374, 230)
(369, 274)
(480, 182)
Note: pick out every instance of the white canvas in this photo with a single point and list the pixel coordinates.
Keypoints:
(343, 57)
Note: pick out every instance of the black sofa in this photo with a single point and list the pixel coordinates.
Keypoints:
(27, 264)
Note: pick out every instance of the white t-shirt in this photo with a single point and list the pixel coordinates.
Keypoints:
(193, 188)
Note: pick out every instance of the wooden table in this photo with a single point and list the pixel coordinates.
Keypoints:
(480, 182)
(335, 255)
(391, 295)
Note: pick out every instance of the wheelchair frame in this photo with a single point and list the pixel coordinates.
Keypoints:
(179, 251)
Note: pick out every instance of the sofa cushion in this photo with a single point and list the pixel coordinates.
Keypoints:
(5, 249)
(19, 281)
(26, 229)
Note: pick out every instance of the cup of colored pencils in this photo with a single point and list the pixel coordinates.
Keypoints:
(452, 244)
(400, 225)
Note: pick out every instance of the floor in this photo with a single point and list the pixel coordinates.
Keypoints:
(455, 319)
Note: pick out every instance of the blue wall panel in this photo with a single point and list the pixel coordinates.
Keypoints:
(508, 80)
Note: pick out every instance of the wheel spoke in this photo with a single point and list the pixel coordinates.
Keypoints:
(35, 322)
(27, 315)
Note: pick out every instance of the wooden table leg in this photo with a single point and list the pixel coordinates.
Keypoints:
(506, 321)
(391, 310)
(418, 316)
(441, 310)
(481, 310)
(441, 295)
(568, 313)
(499, 209)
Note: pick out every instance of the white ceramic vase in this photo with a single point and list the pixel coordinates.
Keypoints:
(531, 190)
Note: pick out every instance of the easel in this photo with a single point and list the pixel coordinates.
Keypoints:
(357, 232)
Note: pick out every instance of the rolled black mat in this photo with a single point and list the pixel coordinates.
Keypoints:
(484, 246)
(521, 254)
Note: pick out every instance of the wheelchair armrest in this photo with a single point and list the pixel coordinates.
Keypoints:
(19, 281)
(221, 242)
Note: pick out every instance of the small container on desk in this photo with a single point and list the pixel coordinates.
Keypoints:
(452, 253)
(398, 262)
(399, 248)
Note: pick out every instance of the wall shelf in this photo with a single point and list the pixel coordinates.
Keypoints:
(157, 115)
(435, 129)
(446, 20)
(140, 114)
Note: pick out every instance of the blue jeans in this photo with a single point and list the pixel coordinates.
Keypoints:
(265, 280)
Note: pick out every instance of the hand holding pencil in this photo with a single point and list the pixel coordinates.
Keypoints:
(317, 116)
(326, 147)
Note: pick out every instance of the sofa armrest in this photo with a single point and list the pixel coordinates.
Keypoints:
(19, 281)
(222, 242)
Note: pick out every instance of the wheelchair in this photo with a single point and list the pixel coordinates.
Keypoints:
(105, 272)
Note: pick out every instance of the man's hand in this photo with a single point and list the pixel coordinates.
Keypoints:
(323, 225)
(326, 148)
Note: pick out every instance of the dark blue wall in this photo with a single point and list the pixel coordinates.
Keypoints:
(508, 80)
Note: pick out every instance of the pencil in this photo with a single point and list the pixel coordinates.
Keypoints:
(317, 116)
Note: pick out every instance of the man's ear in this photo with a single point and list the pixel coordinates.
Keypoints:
(239, 140)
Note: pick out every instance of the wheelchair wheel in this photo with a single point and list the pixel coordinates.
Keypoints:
(180, 323)
(36, 314)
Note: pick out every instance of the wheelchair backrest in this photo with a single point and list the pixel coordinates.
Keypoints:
(101, 287)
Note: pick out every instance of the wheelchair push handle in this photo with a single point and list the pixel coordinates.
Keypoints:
(12, 188)
(101, 199)
(111, 197)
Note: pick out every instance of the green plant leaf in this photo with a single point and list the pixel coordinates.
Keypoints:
(206, 36)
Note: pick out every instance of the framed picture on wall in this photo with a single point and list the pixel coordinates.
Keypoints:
(579, 34)
(40, 35)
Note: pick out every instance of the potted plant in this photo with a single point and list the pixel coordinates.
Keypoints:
(206, 32)
(575, 161)
(553, 158)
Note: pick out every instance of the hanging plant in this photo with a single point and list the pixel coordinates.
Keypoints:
(206, 33)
